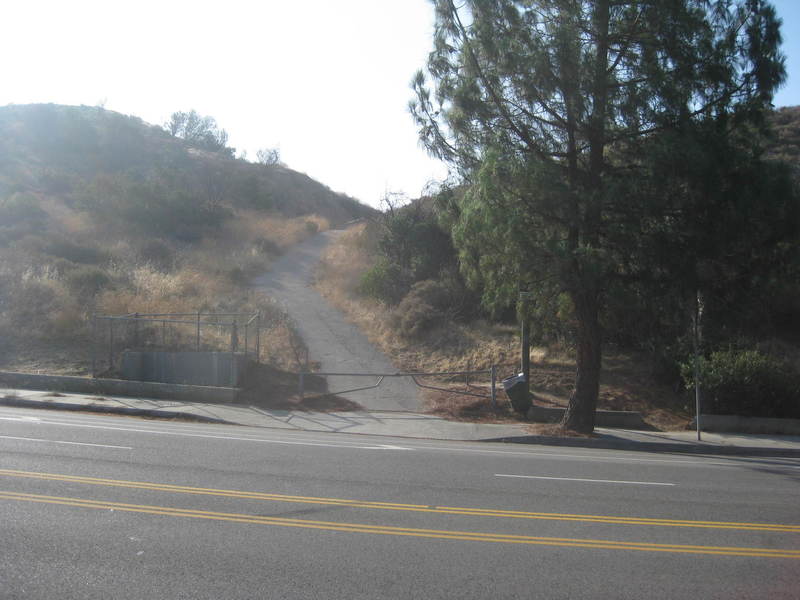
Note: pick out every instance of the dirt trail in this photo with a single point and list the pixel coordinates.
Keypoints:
(337, 345)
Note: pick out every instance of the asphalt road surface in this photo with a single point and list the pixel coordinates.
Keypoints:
(114, 507)
(337, 345)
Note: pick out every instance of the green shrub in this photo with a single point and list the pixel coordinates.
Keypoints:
(75, 252)
(85, 282)
(312, 227)
(747, 383)
(384, 282)
(267, 246)
(157, 253)
(433, 293)
(425, 307)
(20, 215)
(30, 304)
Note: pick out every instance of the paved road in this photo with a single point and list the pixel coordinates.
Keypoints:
(339, 346)
(111, 507)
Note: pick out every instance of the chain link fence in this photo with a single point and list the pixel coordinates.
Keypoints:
(237, 333)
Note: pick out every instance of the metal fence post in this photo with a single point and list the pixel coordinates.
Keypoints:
(94, 345)
(494, 387)
(258, 336)
(301, 386)
(136, 330)
(110, 344)
(198, 331)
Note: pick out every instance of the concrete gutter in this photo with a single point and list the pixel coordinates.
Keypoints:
(119, 387)
(737, 424)
(623, 419)
(608, 442)
(402, 425)
(100, 407)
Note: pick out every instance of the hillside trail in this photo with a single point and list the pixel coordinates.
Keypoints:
(333, 342)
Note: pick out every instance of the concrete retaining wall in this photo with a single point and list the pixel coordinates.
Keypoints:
(192, 368)
(736, 424)
(119, 387)
(622, 419)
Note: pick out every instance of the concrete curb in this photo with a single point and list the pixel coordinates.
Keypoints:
(120, 387)
(737, 424)
(668, 447)
(570, 442)
(154, 413)
(623, 419)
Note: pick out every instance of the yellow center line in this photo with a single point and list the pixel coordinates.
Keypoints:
(404, 531)
(449, 510)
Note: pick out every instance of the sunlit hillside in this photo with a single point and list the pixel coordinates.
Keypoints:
(101, 212)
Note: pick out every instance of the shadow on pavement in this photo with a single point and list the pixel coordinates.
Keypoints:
(268, 387)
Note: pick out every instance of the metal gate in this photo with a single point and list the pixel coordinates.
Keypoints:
(415, 377)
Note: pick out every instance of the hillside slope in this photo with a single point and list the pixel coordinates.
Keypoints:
(103, 213)
(60, 150)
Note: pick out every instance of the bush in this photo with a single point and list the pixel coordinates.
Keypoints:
(86, 282)
(423, 308)
(267, 246)
(36, 308)
(61, 247)
(384, 282)
(157, 253)
(20, 215)
(747, 383)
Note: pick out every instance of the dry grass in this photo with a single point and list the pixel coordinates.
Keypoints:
(626, 383)
(45, 325)
(252, 226)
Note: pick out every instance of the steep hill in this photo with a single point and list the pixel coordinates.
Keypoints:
(786, 144)
(61, 150)
(104, 213)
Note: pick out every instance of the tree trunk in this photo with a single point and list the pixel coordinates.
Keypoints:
(580, 413)
(585, 293)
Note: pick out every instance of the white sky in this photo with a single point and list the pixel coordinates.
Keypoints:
(326, 81)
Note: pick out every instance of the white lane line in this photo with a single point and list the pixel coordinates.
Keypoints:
(355, 446)
(193, 431)
(279, 436)
(584, 480)
(27, 439)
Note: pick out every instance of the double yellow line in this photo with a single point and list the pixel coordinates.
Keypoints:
(449, 510)
(405, 531)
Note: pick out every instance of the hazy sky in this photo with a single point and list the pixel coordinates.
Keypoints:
(326, 81)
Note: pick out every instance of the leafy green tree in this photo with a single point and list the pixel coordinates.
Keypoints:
(412, 247)
(533, 99)
(198, 130)
(714, 220)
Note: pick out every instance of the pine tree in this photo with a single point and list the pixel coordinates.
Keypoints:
(532, 99)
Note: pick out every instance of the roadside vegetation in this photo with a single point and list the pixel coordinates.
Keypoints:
(608, 160)
(408, 281)
(102, 213)
(438, 324)
(398, 277)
